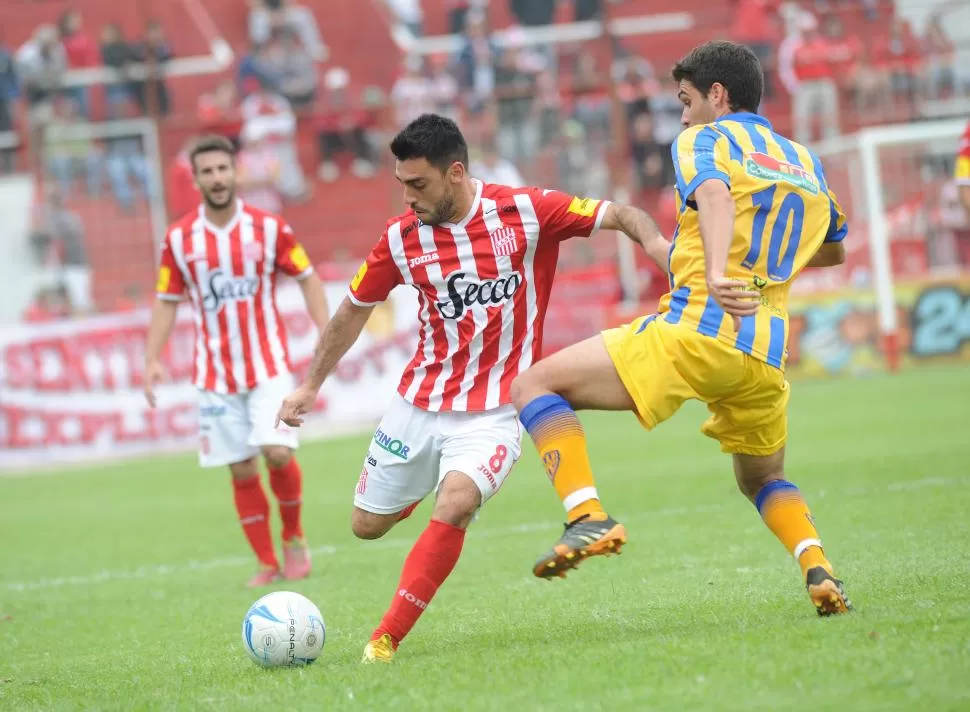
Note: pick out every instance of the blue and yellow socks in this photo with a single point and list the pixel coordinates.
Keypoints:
(785, 513)
(559, 437)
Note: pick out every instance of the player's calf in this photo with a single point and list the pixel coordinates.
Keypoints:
(457, 501)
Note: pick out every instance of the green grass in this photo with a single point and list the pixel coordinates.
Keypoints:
(121, 585)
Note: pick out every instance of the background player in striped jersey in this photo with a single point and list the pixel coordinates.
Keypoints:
(754, 210)
(482, 258)
(227, 257)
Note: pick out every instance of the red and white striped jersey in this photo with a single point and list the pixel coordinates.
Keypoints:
(230, 275)
(483, 286)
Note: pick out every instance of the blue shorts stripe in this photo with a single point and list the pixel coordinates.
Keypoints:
(646, 322)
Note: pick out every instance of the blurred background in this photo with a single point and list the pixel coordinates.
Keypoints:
(99, 100)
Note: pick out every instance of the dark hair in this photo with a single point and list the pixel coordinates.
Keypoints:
(729, 64)
(435, 138)
(210, 144)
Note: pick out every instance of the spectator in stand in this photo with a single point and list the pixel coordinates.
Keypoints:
(118, 55)
(815, 93)
(844, 53)
(50, 304)
(444, 86)
(492, 168)
(755, 27)
(515, 93)
(636, 85)
(253, 66)
(292, 71)
(267, 16)
(533, 13)
(592, 105)
(649, 164)
(67, 153)
(258, 173)
(270, 116)
(898, 55)
(413, 93)
(81, 52)
(343, 127)
(938, 53)
(475, 64)
(549, 105)
(58, 240)
(218, 111)
(587, 10)
(180, 189)
(154, 51)
(41, 64)
(9, 91)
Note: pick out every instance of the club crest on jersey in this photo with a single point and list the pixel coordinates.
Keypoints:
(764, 167)
(504, 242)
(220, 288)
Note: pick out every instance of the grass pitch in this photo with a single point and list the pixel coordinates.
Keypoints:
(121, 585)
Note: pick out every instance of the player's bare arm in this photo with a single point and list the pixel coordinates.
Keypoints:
(315, 297)
(830, 254)
(964, 192)
(159, 329)
(339, 335)
(715, 214)
(639, 227)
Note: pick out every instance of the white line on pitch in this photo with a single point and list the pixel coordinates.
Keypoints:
(163, 570)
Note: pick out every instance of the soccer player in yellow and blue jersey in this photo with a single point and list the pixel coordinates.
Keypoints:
(754, 210)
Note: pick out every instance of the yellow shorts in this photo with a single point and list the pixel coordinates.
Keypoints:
(662, 365)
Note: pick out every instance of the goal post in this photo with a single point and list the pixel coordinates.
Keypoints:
(891, 181)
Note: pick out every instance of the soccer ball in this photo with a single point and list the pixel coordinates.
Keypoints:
(283, 629)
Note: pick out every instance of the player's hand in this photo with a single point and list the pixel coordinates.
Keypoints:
(734, 297)
(298, 403)
(154, 374)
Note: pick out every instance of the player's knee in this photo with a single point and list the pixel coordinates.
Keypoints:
(523, 387)
(458, 500)
(244, 470)
(367, 525)
(277, 455)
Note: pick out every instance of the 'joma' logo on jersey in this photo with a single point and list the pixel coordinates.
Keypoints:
(765, 167)
(221, 288)
(489, 293)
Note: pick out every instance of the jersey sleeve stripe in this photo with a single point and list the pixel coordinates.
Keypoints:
(600, 214)
(358, 302)
(168, 297)
(836, 232)
(304, 274)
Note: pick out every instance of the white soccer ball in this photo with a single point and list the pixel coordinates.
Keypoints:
(283, 629)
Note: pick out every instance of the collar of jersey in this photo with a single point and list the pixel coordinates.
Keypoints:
(474, 209)
(745, 117)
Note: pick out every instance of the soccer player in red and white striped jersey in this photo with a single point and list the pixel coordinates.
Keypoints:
(227, 257)
(482, 259)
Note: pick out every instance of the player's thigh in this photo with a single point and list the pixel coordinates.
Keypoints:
(482, 447)
(262, 404)
(223, 430)
(753, 420)
(583, 374)
(401, 465)
(644, 356)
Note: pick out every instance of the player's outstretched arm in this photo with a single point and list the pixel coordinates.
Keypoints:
(639, 227)
(159, 329)
(340, 334)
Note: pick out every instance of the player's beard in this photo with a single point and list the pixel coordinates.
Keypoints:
(443, 211)
(219, 205)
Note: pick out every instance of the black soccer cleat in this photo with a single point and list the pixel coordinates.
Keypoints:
(582, 538)
(826, 592)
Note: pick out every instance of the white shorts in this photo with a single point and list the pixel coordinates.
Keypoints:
(232, 428)
(413, 449)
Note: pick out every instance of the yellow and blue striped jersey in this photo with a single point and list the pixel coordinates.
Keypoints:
(784, 212)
